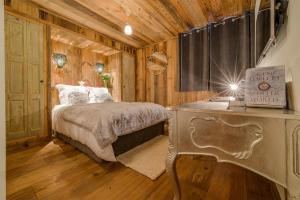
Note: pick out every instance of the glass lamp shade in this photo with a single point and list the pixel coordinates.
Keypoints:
(99, 68)
(128, 29)
(60, 60)
(233, 86)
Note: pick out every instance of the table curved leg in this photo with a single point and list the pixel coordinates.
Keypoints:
(171, 170)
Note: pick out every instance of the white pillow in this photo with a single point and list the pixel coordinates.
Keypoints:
(99, 95)
(78, 98)
(65, 90)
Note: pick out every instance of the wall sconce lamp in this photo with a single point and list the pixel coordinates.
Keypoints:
(99, 68)
(59, 59)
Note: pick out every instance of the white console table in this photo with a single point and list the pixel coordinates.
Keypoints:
(265, 141)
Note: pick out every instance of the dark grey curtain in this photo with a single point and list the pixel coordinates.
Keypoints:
(230, 53)
(213, 57)
(194, 60)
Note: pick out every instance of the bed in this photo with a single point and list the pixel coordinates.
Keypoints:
(90, 120)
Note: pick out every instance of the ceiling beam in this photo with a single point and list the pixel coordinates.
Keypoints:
(31, 11)
(186, 25)
(181, 12)
(66, 9)
(194, 11)
(208, 10)
(160, 15)
(84, 32)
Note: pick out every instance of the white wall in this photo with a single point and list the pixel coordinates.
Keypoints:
(287, 51)
(2, 105)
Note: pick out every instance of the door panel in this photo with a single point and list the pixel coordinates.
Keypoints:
(35, 78)
(34, 43)
(17, 121)
(16, 78)
(15, 73)
(15, 39)
(35, 116)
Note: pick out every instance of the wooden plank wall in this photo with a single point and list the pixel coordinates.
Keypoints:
(88, 61)
(80, 66)
(163, 89)
(114, 63)
(128, 76)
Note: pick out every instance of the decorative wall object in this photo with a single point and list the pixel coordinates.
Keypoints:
(59, 59)
(265, 87)
(157, 63)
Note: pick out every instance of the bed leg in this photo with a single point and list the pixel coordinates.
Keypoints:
(53, 133)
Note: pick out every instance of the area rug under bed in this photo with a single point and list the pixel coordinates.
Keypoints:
(149, 158)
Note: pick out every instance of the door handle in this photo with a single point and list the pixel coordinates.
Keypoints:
(41, 81)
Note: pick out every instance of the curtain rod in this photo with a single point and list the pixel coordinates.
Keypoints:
(223, 21)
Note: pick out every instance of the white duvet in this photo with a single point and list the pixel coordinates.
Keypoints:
(104, 122)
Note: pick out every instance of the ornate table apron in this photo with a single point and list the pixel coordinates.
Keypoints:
(267, 144)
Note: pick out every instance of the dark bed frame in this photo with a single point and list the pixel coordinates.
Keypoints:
(122, 144)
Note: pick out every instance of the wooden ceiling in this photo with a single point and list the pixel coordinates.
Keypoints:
(80, 42)
(152, 20)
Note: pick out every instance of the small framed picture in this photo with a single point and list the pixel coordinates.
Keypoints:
(265, 87)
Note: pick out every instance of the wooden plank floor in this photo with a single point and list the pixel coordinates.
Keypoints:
(56, 171)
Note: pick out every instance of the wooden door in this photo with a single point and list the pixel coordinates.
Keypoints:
(35, 97)
(24, 77)
(128, 77)
(16, 77)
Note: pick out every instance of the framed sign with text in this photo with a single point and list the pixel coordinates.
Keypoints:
(265, 87)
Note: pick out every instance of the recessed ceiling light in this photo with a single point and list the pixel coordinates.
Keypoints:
(128, 29)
